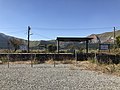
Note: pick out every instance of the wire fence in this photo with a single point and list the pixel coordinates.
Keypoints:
(41, 58)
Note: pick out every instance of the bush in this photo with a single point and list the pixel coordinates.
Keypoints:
(52, 48)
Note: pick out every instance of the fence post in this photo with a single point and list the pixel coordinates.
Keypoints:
(115, 57)
(8, 59)
(34, 58)
(95, 58)
(76, 57)
(54, 59)
(31, 61)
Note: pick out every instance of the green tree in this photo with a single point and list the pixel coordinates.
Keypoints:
(52, 48)
(118, 41)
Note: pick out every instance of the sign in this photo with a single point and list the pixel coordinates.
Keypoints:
(104, 46)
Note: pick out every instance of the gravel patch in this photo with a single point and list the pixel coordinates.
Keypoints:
(48, 77)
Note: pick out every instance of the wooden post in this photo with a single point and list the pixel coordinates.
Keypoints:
(95, 58)
(86, 46)
(31, 61)
(58, 46)
(8, 57)
(76, 57)
(114, 36)
(54, 59)
(28, 38)
(34, 59)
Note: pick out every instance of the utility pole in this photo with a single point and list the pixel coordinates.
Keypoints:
(29, 38)
(114, 35)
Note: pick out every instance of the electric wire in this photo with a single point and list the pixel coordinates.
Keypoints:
(20, 30)
(58, 28)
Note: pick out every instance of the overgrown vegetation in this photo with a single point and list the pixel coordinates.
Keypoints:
(118, 41)
(3, 59)
(52, 48)
(15, 43)
(113, 69)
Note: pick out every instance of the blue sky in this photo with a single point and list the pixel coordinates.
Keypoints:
(51, 18)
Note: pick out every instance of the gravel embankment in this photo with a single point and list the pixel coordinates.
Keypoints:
(61, 77)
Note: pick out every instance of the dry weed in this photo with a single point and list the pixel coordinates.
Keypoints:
(109, 69)
(20, 62)
(72, 67)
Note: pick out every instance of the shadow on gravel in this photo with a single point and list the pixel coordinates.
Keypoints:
(51, 66)
(23, 66)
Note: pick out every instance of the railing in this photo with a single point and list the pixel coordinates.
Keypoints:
(42, 57)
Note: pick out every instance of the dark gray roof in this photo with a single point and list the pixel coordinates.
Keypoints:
(73, 39)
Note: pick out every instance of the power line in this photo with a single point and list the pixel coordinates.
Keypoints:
(12, 27)
(58, 28)
(61, 28)
(43, 28)
(42, 36)
(20, 31)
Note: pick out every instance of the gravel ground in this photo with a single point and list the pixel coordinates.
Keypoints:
(61, 77)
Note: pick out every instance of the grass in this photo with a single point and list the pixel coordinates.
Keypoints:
(3, 60)
(92, 65)
(102, 68)
(72, 67)
(61, 62)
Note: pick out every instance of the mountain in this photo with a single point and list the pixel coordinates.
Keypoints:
(6, 41)
(37, 44)
(107, 37)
